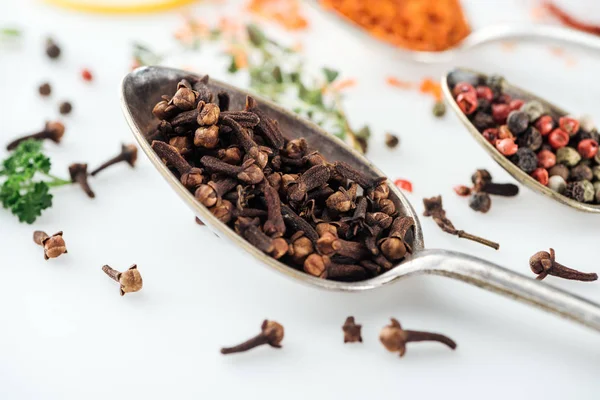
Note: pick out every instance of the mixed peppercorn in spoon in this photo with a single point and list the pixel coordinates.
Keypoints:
(286, 199)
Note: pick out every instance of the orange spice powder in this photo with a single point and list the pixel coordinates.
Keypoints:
(426, 86)
(287, 13)
(424, 25)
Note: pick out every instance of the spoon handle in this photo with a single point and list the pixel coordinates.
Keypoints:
(537, 32)
(495, 278)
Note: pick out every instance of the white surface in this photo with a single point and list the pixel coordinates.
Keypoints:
(67, 334)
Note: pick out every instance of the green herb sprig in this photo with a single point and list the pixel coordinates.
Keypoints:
(26, 181)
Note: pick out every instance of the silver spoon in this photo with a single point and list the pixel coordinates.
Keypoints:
(142, 88)
(463, 74)
(484, 35)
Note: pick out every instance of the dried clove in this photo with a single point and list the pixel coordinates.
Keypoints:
(277, 247)
(352, 331)
(434, 209)
(130, 281)
(248, 172)
(274, 226)
(300, 247)
(354, 175)
(267, 127)
(211, 193)
(223, 211)
(342, 200)
(53, 130)
(543, 264)
(245, 118)
(297, 224)
(323, 267)
(394, 247)
(394, 338)
(128, 154)
(329, 244)
(53, 245)
(311, 179)
(271, 334)
(191, 177)
(79, 175)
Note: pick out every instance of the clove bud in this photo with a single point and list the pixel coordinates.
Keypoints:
(53, 130)
(79, 175)
(394, 338)
(271, 334)
(130, 281)
(128, 154)
(53, 245)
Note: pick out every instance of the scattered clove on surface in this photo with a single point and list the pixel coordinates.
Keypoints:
(54, 245)
(352, 331)
(271, 334)
(394, 338)
(434, 209)
(130, 281)
(53, 130)
(544, 263)
(128, 154)
(79, 175)
(483, 187)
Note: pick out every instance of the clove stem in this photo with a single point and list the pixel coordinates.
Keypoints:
(464, 235)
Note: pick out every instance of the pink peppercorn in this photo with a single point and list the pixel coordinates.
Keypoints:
(507, 147)
(404, 185)
(505, 133)
(467, 102)
(546, 159)
(540, 175)
(491, 135)
(462, 190)
(558, 138)
(569, 125)
(463, 87)
(86, 75)
(545, 124)
(588, 148)
(484, 92)
(515, 105)
(500, 112)
(503, 99)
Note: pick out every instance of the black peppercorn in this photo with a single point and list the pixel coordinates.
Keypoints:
(581, 172)
(531, 139)
(484, 105)
(560, 170)
(483, 121)
(517, 122)
(45, 89)
(581, 191)
(391, 140)
(525, 159)
(65, 108)
(480, 201)
(52, 49)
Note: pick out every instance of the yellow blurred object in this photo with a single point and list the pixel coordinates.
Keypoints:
(120, 6)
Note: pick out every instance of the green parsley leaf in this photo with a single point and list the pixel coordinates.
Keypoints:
(255, 35)
(330, 74)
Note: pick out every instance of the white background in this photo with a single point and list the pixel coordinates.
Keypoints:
(65, 333)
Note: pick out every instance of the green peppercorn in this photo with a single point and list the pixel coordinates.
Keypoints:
(597, 189)
(581, 173)
(534, 109)
(596, 172)
(560, 170)
(439, 109)
(557, 183)
(568, 156)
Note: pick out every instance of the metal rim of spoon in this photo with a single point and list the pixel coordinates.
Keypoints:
(142, 88)
(502, 160)
(480, 36)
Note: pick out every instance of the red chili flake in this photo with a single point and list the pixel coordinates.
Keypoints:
(540, 175)
(462, 190)
(588, 148)
(544, 124)
(569, 125)
(516, 105)
(484, 92)
(558, 138)
(404, 185)
(86, 75)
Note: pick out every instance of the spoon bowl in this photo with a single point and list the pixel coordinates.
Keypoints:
(463, 74)
(142, 88)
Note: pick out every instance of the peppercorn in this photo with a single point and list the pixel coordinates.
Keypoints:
(480, 201)
(540, 175)
(45, 89)
(439, 109)
(517, 122)
(515, 105)
(586, 123)
(545, 124)
(500, 112)
(391, 140)
(525, 159)
(463, 87)
(534, 110)
(65, 108)
(480, 178)
(484, 92)
(569, 125)
(86, 75)
(504, 98)
(482, 121)
(546, 159)
(532, 139)
(504, 132)
(484, 105)
(581, 191)
(507, 147)
(581, 172)
(596, 172)
(52, 49)
(467, 102)
(495, 83)
(558, 138)
(560, 170)
(588, 148)
(491, 135)
(567, 156)
(557, 183)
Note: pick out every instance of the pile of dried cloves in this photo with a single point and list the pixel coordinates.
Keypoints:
(283, 197)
